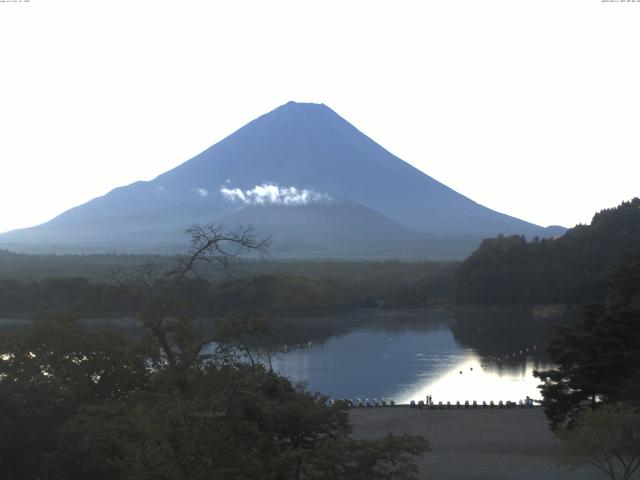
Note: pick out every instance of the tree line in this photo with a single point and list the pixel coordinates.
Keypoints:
(396, 285)
(573, 268)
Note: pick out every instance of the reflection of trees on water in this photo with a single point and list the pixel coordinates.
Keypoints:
(300, 329)
(297, 328)
(509, 335)
(493, 332)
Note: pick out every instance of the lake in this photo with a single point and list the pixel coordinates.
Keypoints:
(402, 355)
(455, 354)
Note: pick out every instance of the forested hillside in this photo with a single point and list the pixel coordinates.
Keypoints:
(573, 268)
(598, 360)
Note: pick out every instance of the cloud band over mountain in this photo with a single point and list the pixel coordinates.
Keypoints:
(271, 194)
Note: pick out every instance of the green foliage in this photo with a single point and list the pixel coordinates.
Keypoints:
(391, 457)
(76, 295)
(598, 359)
(47, 373)
(94, 443)
(282, 292)
(625, 281)
(571, 269)
(252, 335)
(87, 404)
(269, 286)
(80, 404)
(608, 439)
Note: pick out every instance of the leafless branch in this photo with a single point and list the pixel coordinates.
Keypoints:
(213, 243)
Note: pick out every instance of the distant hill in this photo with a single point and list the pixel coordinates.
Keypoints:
(573, 268)
(298, 155)
(343, 229)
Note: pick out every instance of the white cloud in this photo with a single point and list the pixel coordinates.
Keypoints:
(270, 194)
(202, 192)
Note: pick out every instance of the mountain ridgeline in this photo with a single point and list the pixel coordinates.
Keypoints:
(574, 268)
(304, 176)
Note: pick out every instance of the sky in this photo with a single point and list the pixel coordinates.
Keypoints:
(531, 108)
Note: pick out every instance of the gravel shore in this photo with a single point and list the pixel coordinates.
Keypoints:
(478, 444)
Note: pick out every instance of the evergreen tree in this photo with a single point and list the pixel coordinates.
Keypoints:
(598, 359)
(574, 268)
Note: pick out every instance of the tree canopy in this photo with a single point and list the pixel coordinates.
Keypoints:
(598, 359)
(573, 268)
(608, 439)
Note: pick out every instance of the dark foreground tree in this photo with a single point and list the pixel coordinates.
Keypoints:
(608, 439)
(598, 359)
(47, 373)
(86, 404)
(253, 336)
(79, 404)
(345, 459)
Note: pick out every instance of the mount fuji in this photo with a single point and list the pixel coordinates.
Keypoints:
(300, 174)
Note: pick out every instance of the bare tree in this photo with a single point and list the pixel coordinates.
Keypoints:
(216, 244)
(606, 438)
(155, 287)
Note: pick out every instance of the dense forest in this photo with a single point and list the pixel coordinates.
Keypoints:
(574, 268)
(84, 285)
(598, 359)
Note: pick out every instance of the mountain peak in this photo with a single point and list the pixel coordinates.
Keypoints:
(294, 104)
(297, 108)
(302, 147)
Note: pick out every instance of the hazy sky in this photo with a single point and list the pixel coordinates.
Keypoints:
(529, 107)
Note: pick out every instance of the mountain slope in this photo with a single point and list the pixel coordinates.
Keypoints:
(306, 146)
(343, 229)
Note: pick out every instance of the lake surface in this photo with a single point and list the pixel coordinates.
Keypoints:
(458, 354)
(453, 355)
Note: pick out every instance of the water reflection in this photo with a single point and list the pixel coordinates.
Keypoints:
(481, 354)
(473, 379)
